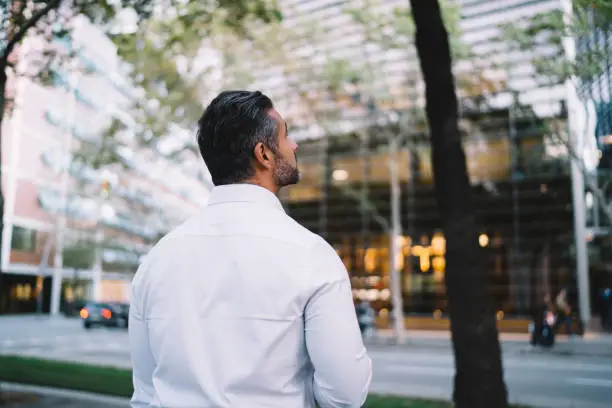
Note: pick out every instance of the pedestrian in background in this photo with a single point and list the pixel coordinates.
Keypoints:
(564, 311)
(366, 316)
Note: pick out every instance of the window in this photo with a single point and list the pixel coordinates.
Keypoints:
(84, 98)
(56, 159)
(53, 117)
(82, 132)
(23, 239)
(62, 40)
(60, 79)
(89, 64)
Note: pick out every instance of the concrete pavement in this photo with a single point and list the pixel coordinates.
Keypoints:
(591, 344)
(424, 367)
(56, 398)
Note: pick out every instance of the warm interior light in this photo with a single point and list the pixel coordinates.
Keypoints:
(370, 259)
(483, 240)
(438, 244)
(340, 175)
(424, 257)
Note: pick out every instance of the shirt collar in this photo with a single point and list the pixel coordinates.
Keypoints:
(244, 193)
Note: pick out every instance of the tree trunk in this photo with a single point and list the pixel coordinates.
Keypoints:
(3, 81)
(479, 379)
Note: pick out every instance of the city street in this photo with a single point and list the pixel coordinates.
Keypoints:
(538, 379)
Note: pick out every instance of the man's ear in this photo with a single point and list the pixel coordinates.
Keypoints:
(263, 156)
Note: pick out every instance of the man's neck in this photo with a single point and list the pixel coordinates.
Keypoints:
(271, 187)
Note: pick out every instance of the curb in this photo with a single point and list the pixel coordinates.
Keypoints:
(520, 348)
(563, 353)
(66, 393)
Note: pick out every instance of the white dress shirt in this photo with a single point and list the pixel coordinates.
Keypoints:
(242, 307)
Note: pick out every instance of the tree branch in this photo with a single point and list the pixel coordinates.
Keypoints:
(36, 17)
(366, 206)
(575, 156)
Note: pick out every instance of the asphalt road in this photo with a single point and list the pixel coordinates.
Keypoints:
(539, 379)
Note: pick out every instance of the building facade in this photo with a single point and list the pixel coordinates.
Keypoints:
(58, 195)
(522, 198)
(519, 171)
(595, 93)
(327, 41)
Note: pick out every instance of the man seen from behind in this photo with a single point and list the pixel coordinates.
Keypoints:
(240, 306)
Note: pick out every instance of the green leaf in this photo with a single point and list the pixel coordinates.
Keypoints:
(549, 29)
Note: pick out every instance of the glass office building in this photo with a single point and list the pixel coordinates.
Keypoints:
(598, 91)
(522, 197)
(519, 173)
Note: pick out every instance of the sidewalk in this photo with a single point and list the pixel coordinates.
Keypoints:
(592, 344)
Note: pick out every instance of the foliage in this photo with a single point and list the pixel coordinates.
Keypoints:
(169, 97)
(542, 36)
(180, 29)
(104, 152)
(179, 32)
(81, 377)
(52, 18)
(80, 255)
(287, 52)
(396, 31)
(182, 32)
(387, 401)
(164, 52)
(339, 73)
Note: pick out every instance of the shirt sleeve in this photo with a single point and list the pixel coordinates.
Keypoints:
(143, 363)
(342, 367)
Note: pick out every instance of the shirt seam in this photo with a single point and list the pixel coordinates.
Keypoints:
(276, 206)
(193, 234)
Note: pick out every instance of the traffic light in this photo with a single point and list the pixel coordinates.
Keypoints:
(106, 187)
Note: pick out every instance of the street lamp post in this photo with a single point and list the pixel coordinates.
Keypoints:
(58, 258)
(106, 212)
(44, 263)
(395, 235)
(96, 279)
(394, 229)
(576, 135)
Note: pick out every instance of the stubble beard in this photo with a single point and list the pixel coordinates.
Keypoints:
(286, 174)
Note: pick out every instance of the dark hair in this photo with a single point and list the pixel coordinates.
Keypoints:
(229, 130)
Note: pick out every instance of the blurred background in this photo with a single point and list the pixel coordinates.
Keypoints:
(99, 160)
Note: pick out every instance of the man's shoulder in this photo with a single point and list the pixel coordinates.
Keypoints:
(273, 224)
(168, 240)
(291, 224)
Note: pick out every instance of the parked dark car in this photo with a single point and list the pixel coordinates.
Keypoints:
(105, 314)
(72, 309)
